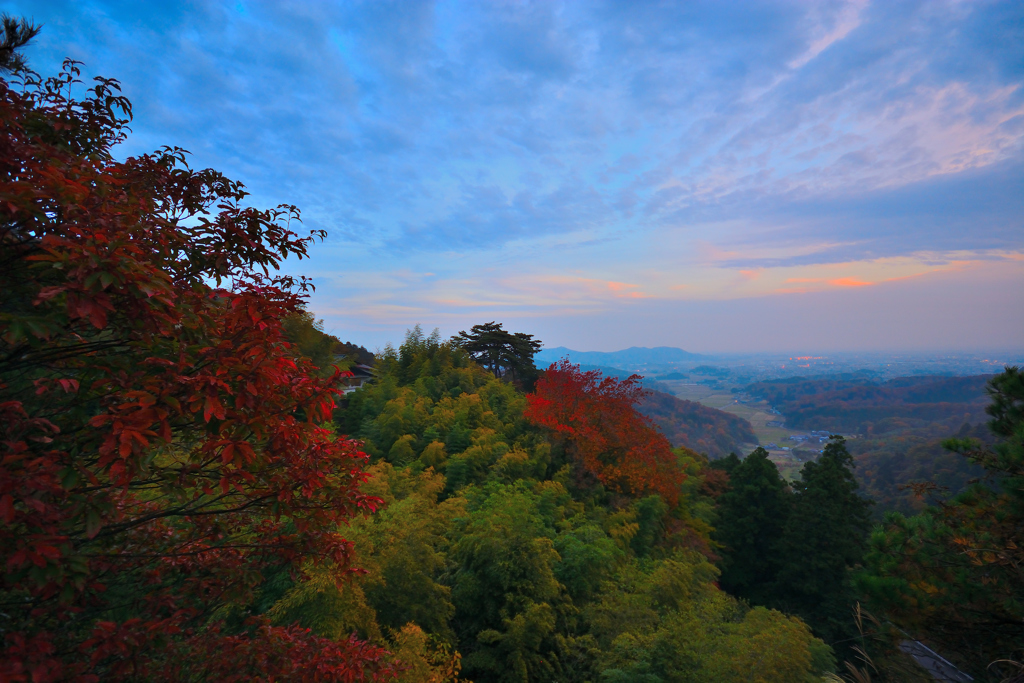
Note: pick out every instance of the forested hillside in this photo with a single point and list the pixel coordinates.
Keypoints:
(887, 465)
(865, 407)
(901, 425)
(712, 432)
(568, 545)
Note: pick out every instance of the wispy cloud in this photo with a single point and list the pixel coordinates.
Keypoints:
(569, 157)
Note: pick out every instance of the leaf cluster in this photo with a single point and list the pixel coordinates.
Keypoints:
(164, 446)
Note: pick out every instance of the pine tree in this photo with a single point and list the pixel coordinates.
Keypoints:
(505, 354)
(753, 514)
(824, 536)
(952, 574)
(16, 34)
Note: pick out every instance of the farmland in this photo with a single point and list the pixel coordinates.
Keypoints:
(759, 414)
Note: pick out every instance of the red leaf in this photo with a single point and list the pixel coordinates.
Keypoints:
(7, 508)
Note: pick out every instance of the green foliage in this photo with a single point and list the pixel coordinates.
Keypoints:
(505, 354)
(307, 333)
(951, 574)
(399, 600)
(727, 464)
(489, 544)
(665, 621)
(825, 535)
(586, 558)
(752, 517)
(504, 588)
(792, 548)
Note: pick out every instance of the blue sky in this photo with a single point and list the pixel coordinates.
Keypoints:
(720, 176)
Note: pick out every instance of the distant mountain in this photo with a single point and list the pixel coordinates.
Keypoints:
(713, 432)
(635, 355)
(619, 373)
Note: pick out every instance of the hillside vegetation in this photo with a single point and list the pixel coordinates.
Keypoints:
(712, 432)
(553, 557)
(901, 426)
(865, 407)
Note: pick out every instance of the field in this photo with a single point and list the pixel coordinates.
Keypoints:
(755, 412)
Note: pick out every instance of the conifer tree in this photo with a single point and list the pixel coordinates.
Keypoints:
(825, 535)
(16, 34)
(753, 514)
(952, 575)
(726, 464)
(505, 354)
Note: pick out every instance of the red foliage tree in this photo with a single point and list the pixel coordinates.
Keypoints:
(161, 446)
(607, 437)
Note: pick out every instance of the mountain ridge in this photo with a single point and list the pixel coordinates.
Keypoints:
(634, 355)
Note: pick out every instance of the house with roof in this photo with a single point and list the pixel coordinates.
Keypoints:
(355, 377)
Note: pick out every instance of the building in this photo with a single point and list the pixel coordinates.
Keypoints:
(355, 377)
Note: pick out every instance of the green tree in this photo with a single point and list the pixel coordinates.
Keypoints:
(952, 575)
(505, 354)
(504, 588)
(17, 33)
(726, 464)
(752, 517)
(307, 334)
(664, 621)
(825, 535)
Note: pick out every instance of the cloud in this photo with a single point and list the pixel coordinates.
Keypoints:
(849, 282)
(565, 146)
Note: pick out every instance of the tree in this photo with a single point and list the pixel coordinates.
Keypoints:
(952, 574)
(307, 335)
(824, 537)
(501, 352)
(752, 516)
(666, 621)
(162, 445)
(17, 33)
(608, 439)
(504, 588)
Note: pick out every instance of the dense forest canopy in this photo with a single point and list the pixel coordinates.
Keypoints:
(580, 547)
(187, 493)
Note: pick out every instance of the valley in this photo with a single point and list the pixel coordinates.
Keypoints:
(788, 455)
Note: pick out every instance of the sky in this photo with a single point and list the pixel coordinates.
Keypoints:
(716, 176)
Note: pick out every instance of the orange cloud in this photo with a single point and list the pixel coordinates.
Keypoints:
(804, 279)
(620, 290)
(750, 274)
(849, 282)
